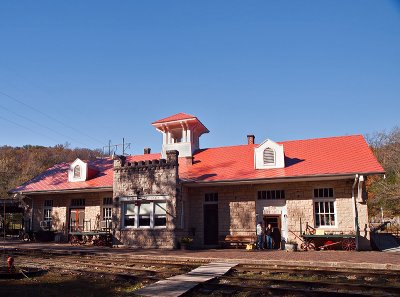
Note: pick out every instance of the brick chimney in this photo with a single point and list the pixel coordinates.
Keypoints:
(147, 150)
(250, 139)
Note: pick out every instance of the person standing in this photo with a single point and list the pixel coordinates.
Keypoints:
(268, 236)
(259, 236)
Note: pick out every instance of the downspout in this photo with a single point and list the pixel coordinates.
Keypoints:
(182, 213)
(353, 201)
(359, 198)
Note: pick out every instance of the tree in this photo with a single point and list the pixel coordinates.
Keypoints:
(385, 192)
(20, 164)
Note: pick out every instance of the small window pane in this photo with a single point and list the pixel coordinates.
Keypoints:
(129, 221)
(332, 216)
(160, 221)
(278, 194)
(145, 208)
(160, 208)
(144, 221)
(321, 193)
(283, 194)
(130, 209)
(330, 192)
(326, 192)
(331, 207)
(315, 193)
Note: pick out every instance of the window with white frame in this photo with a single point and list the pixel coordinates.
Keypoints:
(129, 215)
(145, 214)
(77, 171)
(145, 209)
(324, 207)
(48, 211)
(160, 214)
(107, 208)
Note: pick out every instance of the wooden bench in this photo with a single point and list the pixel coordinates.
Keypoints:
(238, 241)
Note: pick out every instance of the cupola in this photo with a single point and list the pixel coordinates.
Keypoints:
(180, 132)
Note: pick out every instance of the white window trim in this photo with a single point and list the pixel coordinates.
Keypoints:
(152, 216)
(102, 212)
(51, 213)
(335, 213)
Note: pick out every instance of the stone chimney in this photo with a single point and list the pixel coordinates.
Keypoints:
(147, 150)
(172, 156)
(250, 139)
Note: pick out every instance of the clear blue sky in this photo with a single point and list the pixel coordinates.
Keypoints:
(85, 72)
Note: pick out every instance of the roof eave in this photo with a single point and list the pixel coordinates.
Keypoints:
(340, 176)
(63, 191)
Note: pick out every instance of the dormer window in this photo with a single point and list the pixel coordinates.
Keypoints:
(77, 171)
(269, 156)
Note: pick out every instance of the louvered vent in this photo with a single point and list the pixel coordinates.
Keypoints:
(269, 156)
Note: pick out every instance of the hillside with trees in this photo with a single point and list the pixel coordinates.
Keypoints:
(20, 164)
(385, 192)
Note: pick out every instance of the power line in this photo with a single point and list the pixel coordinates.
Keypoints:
(27, 128)
(41, 125)
(48, 116)
(112, 148)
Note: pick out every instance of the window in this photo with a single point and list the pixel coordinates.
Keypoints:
(211, 197)
(107, 208)
(77, 171)
(144, 214)
(147, 214)
(271, 195)
(324, 207)
(129, 215)
(323, 193)
(160, 214)
(48, 209)
(107, 201)
(78, 202)
(324, 213)
(269, 156)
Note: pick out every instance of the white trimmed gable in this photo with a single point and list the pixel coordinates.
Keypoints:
(78, 171)
(268, 155)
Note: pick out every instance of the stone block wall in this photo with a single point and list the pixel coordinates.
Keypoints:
(236, 211)
(142, 179)
(61, 206)
(238, 204)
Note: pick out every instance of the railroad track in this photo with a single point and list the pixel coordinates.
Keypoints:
(262, 280)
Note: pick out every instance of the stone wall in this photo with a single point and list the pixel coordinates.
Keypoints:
(61, 206)
(238, 204)
(139, 180)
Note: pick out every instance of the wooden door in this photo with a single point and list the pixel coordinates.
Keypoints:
(210, 224)
(76, 219)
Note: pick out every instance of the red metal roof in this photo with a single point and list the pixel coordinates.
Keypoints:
(175, 117)
(312, 157)
(56, 177)
(303, 158)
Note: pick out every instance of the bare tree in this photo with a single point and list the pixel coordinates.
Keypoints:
(385, 192)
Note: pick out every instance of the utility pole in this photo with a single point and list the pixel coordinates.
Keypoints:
(123, 146)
